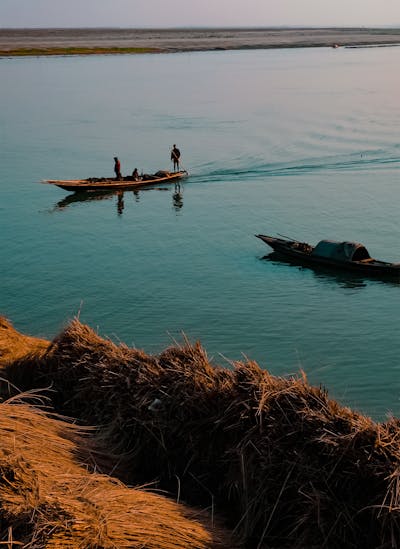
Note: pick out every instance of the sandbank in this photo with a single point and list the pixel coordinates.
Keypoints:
(34, 42)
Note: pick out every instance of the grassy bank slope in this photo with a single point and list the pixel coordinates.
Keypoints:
(48, 499)
(283, 463)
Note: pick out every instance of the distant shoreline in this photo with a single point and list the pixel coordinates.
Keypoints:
(44, 42)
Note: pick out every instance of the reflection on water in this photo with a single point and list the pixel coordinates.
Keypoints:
(177, 197)
(120, 195)
(82, 197)
(120, 202)
(345, 279)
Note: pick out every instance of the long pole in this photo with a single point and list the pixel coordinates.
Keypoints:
(288, 237)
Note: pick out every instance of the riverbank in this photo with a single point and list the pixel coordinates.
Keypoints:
(35, 42)
(274, 459)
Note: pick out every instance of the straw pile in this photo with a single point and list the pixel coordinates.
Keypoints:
(287, 466)
(49, 500)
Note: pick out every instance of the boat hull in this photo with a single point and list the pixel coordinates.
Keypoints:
(84, 185)
(296, 255)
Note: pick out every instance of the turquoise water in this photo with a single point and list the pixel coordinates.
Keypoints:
(299, 142)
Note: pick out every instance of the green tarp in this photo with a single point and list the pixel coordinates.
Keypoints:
(341, 251)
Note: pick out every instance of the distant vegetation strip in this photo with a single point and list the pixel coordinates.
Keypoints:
(34, 52)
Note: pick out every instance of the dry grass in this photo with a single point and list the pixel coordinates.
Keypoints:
(14, 345)
(287, 466)
(49, 500)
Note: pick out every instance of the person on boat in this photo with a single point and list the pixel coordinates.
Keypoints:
(175, 156)
(117, 168)
(135, 175)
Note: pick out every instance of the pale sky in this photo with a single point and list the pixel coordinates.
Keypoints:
(195, 13)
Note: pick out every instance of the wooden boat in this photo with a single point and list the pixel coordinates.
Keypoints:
(112, 184)
(351, 256)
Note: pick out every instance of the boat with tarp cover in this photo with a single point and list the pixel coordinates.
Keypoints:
(351, 256)
(112, 184)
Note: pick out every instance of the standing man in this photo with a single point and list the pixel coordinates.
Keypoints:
(117, 168)
(175, 156)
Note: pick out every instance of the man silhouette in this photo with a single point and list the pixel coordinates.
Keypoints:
(117, 168)
(175, 156)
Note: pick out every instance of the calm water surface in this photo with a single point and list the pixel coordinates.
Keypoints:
(299, 142)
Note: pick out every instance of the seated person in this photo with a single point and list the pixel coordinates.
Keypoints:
(135, 175)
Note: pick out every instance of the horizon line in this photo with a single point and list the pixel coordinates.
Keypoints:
(206, 27)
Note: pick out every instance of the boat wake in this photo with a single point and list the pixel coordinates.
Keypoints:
(357, 162)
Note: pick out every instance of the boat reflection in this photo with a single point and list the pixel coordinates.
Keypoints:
(345, 279)
(82, 197)
(119, 196)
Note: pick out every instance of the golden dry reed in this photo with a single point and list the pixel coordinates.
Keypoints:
(48, 499)
(283, 464)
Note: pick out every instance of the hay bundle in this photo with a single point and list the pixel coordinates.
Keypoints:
(48, 500)
(288, 466)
